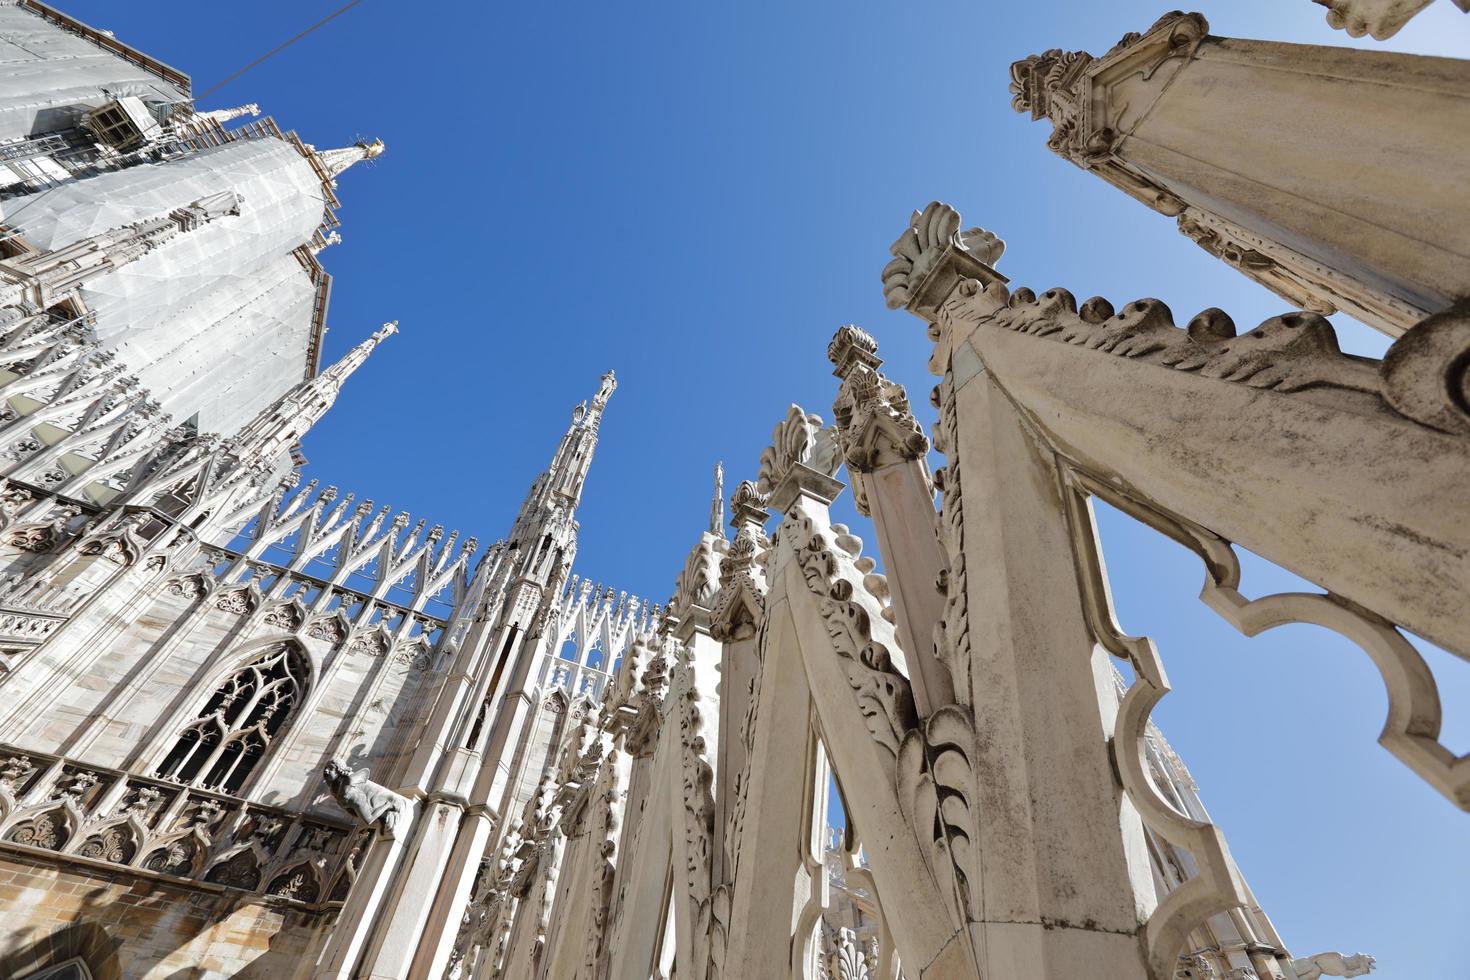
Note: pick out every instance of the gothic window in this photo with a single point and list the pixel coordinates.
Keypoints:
(231, 733)
(72, 969)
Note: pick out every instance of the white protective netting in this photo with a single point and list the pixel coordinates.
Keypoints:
(232, 353)
(212, 302)
(49, 77)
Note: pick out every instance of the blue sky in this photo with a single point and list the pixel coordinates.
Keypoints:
(697, 195)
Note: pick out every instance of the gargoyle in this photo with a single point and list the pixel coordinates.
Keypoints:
(364, 798)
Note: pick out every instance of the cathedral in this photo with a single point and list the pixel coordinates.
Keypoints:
(254, 728)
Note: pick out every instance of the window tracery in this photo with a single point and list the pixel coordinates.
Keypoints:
(229, 736)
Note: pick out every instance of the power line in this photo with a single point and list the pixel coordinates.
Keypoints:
(279, 48)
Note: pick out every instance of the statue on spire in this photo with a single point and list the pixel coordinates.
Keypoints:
(717, 505)
(225, 115)
(336, 161)
(604, 391)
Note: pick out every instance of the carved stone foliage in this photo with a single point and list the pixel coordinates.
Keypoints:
(373, 645)
(42, 537)
(875, 424)
(698, 581)
(45, 830)
(287, 617)
(918, 250)
(883, 693)
(798, 440)
(330, 629)
(1423, 377)
(115, 844)
(699, 803)
(190, 586)
(49, 803)
(240, 871)
(237, 601)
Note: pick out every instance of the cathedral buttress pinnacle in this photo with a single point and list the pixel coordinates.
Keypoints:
(281, 426)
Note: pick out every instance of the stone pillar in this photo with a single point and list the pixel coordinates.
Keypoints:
(396, 938)
(352, 930)
(884, 448)
(1332, 176)
(1065, 883)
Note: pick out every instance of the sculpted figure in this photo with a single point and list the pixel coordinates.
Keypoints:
(365, 799)
(1333, 965)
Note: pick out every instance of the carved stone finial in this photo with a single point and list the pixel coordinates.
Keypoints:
(803, 455)
(875, 424)
(918, 278)
(852, 347)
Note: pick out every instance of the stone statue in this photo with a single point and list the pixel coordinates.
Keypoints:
(1333, 965)
(365, 799)
(717, 505)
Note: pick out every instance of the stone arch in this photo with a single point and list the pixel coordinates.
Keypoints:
(117, 842)
(49, 828)
(253, 701)
(84, 941)
(301, 882)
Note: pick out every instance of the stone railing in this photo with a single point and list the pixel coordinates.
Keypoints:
(92, 816)
(27, 626)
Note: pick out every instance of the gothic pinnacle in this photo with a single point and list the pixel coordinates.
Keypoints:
(336, 161)
(225, 115)
(717, 505)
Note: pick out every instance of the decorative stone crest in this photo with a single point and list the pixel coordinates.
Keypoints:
(919, 276)
(802, 457)
(875, 424)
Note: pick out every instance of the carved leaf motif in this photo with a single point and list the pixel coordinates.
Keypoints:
(175, 859)
(45, 831)
(920, 247)
(240, 871)
(883, 693)
(798, 439)
(114, 844)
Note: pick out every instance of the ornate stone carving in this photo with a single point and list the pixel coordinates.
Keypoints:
(176, 858)
(297, 884)
(1333, 965)
(240, 871)
(1422, 378)
(917, 251)
(15, 770)
(369, 802)
(45, 830)
(875, 424)
(236, 601)
(42, 537)
(115, 844)
(882, 691)
(373, 645)
(284, 617)
(330, 629)
(798, 440)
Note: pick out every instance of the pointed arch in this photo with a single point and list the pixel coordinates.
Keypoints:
(226, 739)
